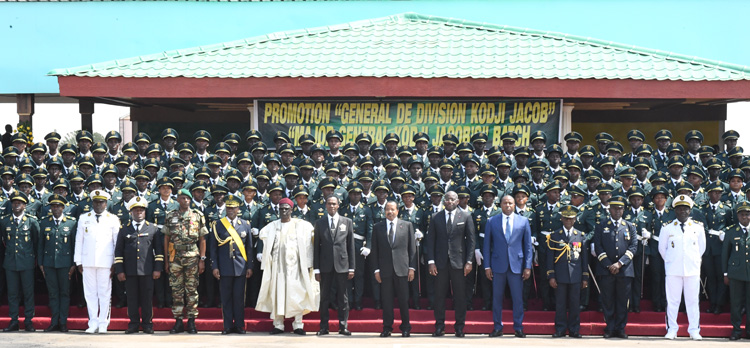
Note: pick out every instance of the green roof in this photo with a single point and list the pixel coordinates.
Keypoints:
(415, 45)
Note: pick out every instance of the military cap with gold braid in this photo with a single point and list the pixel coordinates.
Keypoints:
(682, 200)
(232, 201)
(617, 201)
(569, 211)
(19, 196)
(100, 194)
(137, 202)
(744, 206)
(57, 199)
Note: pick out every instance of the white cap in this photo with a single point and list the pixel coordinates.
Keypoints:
(682, 200)
(136, 202)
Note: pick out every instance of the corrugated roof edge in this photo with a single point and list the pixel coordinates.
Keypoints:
(411, 16)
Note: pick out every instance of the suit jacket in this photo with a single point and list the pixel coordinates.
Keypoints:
(501, 254)
(227, 258)
(450, 250)
(333, 251)
(397, 258)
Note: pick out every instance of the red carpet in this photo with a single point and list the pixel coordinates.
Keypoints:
(536, 322)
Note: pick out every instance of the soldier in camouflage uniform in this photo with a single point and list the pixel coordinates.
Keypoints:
(185, 246)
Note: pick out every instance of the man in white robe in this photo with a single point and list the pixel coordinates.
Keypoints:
(288, 288)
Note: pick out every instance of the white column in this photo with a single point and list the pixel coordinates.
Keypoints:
(566, 123)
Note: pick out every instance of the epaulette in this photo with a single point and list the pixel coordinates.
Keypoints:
(197, 211)
(148, 223)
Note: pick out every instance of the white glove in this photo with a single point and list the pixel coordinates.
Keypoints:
(593, 250)
(645, 234)
(533, 241)
(418, 234)
(721, 235)
(364, 251)
(478, 255)
(546, 233)
(259, 257)
(254, 231)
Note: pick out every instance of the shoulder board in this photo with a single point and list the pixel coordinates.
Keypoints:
(129, 223)
(698, 222)
(198, 211)
(121, 225)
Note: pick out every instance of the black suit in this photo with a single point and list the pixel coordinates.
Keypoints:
(334, 258)
(450, 248)
(615, 243)
(393, 258)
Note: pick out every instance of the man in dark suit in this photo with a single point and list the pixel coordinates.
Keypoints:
(449, 248)
(230, 247)
(567, 260)
(394, 257)
(139, 259)
(615, 244)
(333, 262)
(507, 252)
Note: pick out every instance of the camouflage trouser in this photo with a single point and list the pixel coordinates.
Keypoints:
(183, 278)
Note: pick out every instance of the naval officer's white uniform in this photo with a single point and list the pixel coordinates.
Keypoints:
(95, 251)
(681, 245)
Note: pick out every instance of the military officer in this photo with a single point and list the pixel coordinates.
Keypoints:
(139, 258)
(231, 250)
(488, 209)
(719, 216)
(410, 212)
(681, 245)
(547, 220)
(567, 272)
(20, 234)
(735, 263)
(357, 211)
(641, 218)
(659, 215)
(57, 240)
(615, 244)
(185, 247)
(159, 208)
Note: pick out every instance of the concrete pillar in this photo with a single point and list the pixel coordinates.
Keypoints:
(86, 108)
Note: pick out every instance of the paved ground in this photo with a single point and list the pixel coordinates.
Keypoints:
(120, 340)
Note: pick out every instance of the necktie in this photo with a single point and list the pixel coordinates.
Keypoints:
(57, 222)
(333, 228)
(713, 209)
(276, 210)
(137, 227)
(165, 206)
(353, 210)
(507, 228)
(390, 234)
(682, 227)
(450, 222)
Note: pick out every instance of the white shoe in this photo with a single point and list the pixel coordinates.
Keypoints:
(102, 329)
(696, 337)
(671, 335)
(92, 330)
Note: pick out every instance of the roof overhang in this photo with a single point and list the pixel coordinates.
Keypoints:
(382, 87)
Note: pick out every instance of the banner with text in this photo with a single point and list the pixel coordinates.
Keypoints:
(408, 118)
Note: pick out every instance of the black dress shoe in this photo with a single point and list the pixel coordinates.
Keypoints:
(276, 331)
(636, 309)
(158, 305)
(486, 308)
(131, 330)
(11, 327)
(558, 334)
(149, 330)
(575, 335)
(63, 327)
(429, 308)
(717, 310)
(120, 304)
(322, 332)
(582, 308)
(345, 332)
(358, 307)
(469, 307)
(239, 330)
(438, 333)
(710, 309)
(226, 331)
(607, 334)
(406, 334)
(496, 333)
(52, 327)
(460, 333)
(520, 334)
(81, 304)
(299, 332)
(29, 327)
(417, 306)
(622, 334)
(377, 305)
(385, 333)
(735, 336)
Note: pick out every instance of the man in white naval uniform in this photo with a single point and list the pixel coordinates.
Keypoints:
(681, 245)
(95, 254)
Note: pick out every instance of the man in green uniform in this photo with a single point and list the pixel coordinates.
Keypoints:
(185, 250)
(55, 257)
(736, 266)
(20, 232)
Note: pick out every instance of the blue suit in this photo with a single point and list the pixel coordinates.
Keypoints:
(507, 258)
